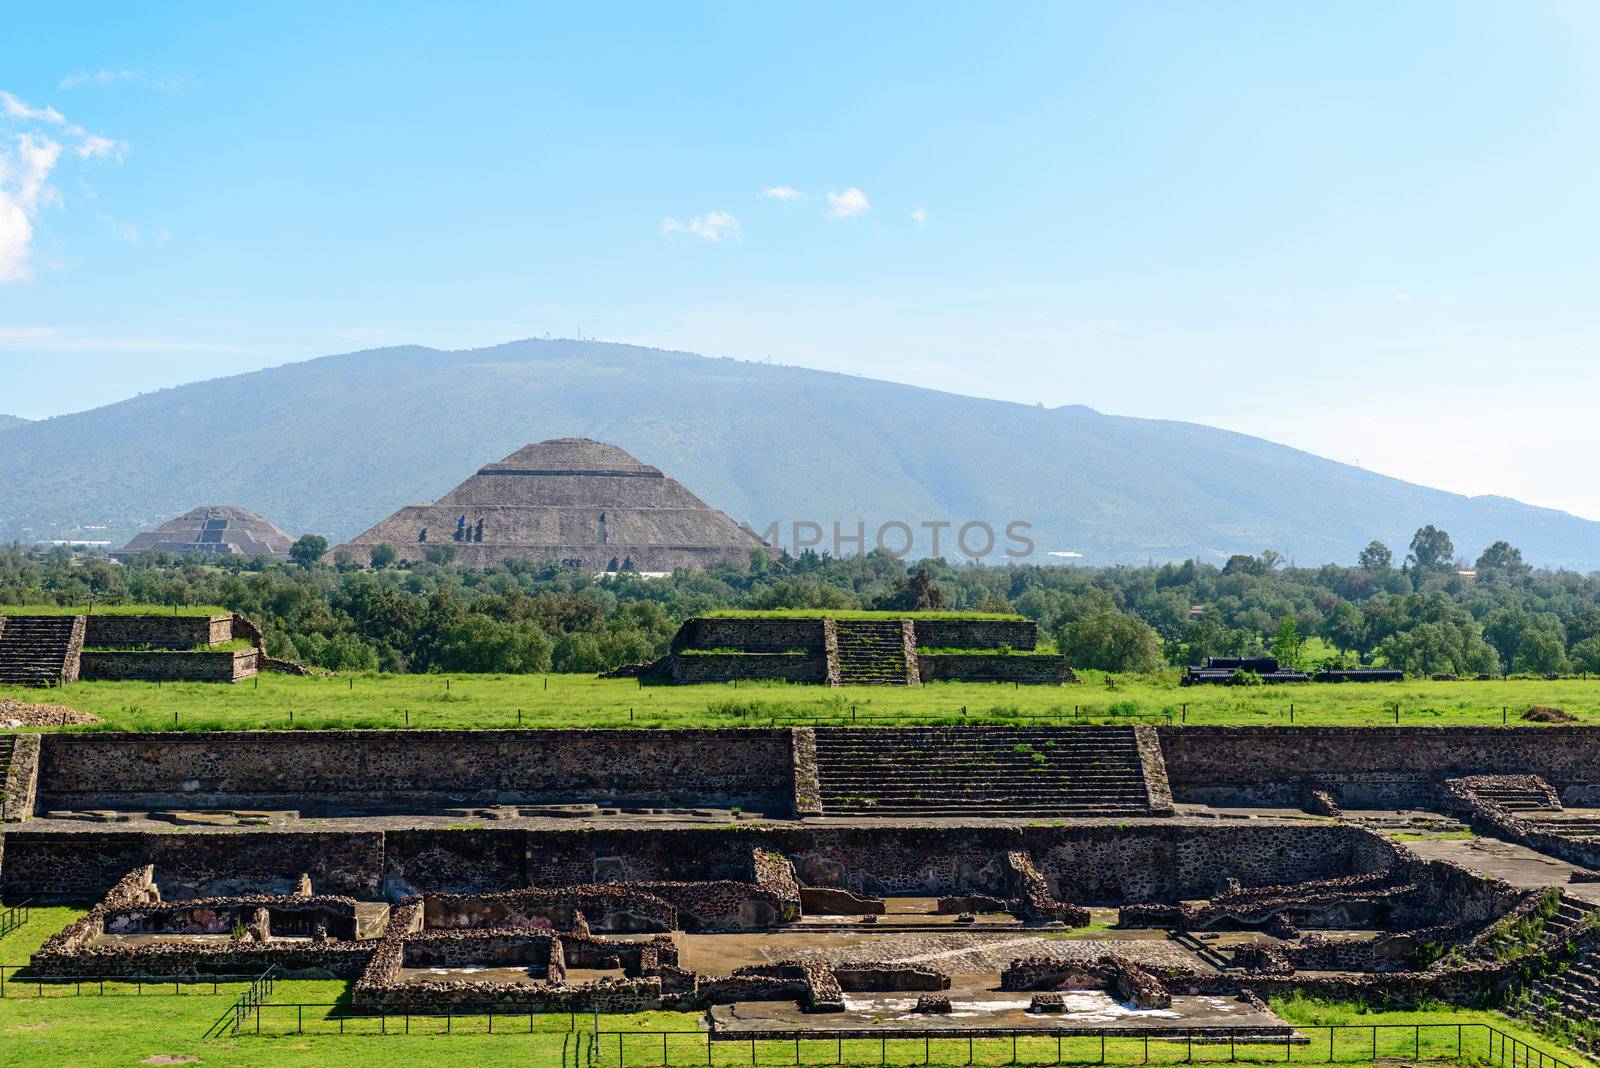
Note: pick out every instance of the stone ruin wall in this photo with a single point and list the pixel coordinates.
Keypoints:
(1371, 766)
(727, 667)
(83, 865)
(750, 635)
(976, 634)
(1081, 863)
(752, 769)
(158, 632)
(71, 952)
(19, 780)
(798, 650)
(758, 770)
(232, 666)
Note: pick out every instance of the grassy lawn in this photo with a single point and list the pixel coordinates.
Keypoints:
(90, 1032)
(847, 613)
(121, 1027)
(112, 610)
(465, 701)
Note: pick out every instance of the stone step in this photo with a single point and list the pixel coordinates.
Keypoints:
(34, 649)
(959, 748)
(1011, 783)
(983, 792)
(981, 770)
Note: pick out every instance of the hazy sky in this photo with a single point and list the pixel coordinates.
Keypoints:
(1367, 230)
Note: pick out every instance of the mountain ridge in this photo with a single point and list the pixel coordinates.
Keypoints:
(335, 443)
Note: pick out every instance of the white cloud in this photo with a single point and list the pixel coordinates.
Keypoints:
(103, 76)
(23, 173)
(17, 109)
(129, 232)
(25, 168)
(713, 226)
(919, 216)
(784, 192)
(93, 146)
(849, 203)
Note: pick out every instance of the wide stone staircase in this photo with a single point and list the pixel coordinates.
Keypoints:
(981, 771)
(872, 653)
(1568, 1001)
(1571, 826)
(1514, 797)
(40, 650)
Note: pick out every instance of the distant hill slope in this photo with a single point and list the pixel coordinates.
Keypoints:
(9, 421)
(333, 445)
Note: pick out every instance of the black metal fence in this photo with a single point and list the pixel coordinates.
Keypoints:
(1476, 1043)
(245, 1005)
(15, 917)
(22, 980)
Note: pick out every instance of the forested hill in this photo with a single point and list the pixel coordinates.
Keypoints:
(9, 421)
(334, 444)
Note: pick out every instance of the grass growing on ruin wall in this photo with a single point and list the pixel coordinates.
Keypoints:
(850, 613)
(482, 701)
(113, 610)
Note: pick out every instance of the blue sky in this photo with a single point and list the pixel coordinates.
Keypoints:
(1367, 230)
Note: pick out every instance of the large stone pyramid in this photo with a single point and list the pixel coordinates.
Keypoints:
(585, 503)
(217, 530)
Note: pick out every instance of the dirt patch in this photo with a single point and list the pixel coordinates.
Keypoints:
(1548, 714)
(18, 714)
(169, 1058)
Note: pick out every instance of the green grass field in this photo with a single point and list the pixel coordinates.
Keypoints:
(62, 1029)
(479, 701)
(848, 613)
(112, 610)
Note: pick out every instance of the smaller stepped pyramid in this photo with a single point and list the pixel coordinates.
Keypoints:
(584, 503)
(216, 530)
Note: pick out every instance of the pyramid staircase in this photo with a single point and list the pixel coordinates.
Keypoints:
(1515, 798)
(981, 771)
(40, 650)
(1566, 1001)
(1571, 827)
(873, 653)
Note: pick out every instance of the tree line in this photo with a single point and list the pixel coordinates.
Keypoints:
(1425, 613)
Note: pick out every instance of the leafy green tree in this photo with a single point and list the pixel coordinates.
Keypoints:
(1431, 551)
(1244, 564)
(1375, 557)
(1286, 645)
(1443, 646)
(439, 555)
(1105, 639)
(1345, 628)
(917, 592)
(1586, 655)
(1583, 626)
(308, 549)
(1503, 628)
(1541, 652)
(383, 555)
